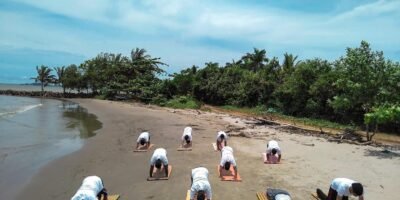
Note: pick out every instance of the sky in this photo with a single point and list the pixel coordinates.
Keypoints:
(188, 32)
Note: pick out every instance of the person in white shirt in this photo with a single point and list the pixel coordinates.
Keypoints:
(92, 188)
(277, 194)
(221, 140)
(143, 140)
(273, 149)
(341, 189)
(159, 158)
(227, 159)
(187, 136)
(200, 185)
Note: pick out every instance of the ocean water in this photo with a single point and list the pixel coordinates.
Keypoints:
(35, 131)
(19, 87)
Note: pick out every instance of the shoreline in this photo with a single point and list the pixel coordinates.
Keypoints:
(387, 140)
(46, 94)
(109, 155)
(34, 132)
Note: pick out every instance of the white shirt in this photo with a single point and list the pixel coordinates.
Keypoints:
(342, 185)
(227, 156)
(200, 182)
(273, 145)
(188, 132)
(282, 197)
(144, 135)
(91, 186)
(161, 154)
(221, 133)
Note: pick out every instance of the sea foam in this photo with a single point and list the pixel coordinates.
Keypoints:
(19, 110)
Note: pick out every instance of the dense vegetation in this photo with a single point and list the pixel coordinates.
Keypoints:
(361, 87)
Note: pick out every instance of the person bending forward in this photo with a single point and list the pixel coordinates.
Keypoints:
(92, 188)
(227, 159)
(200, 187)
(187, 136)
(273, 149)
(341, 189)
(221, 140)
(143, 140)
(158, 159)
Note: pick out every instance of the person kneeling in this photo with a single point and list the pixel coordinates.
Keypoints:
(341, 189)
(92, 188)
(227, 159)
(187, 137)
(158, 160)
(143, 140)
(273, 149)
(277, 194)
(221, 140)
(200, 187)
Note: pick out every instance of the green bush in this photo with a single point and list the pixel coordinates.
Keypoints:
(100, 97)
(182, 102)
(159, 100)
(258, 110)
(107, 93)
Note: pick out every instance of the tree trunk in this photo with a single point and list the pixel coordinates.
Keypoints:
(369, 137)
(368, 132)
(373, 133)
(63, 91)
(42, 84)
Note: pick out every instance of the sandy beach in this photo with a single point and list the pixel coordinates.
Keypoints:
(308, 162)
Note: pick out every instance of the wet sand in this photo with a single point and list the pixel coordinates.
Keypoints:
(35, 131)
(109, 155)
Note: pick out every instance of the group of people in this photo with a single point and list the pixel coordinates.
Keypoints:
(92, 187)
(200, 186)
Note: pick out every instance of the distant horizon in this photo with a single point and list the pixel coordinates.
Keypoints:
(25, 84)
(185, 33)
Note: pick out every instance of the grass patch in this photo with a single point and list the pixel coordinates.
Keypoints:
(314, 122)
(100, 97)
(259, 110)
(183, 102)
(263, 111)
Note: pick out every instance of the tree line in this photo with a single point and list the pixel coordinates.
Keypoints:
(360, 87)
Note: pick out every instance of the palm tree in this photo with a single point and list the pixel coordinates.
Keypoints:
(289, 63)
(256, 59)
(44, 76)
(139, 54)
(60, 74)
(144, 62)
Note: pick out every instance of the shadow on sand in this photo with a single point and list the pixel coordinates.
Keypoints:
(382, 154)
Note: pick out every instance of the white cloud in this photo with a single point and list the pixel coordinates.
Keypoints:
(169, 28)
(95, 10)
(371, 10)
(22, 32)
(168, 7)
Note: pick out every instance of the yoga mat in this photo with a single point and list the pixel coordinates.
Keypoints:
(159, 174)
(264, 159)
(143, 150)
(186, 147)
(261, 196)
(228, 175)
(113, 197)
